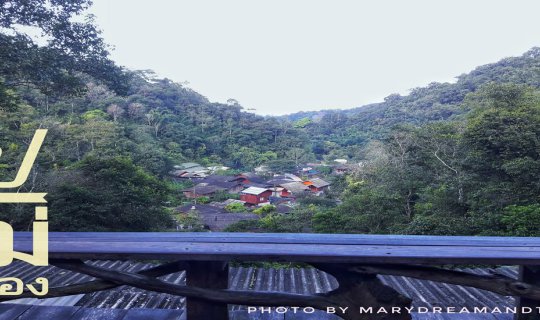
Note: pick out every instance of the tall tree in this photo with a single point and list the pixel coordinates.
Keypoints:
(72, 48)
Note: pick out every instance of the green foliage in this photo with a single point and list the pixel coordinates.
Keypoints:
(368, 211)
(281, 165)
(235, 207)
(190, 223)
(434, 225)
(300, 220)
(306, 200)
(250, 158)
(72, 48)
(302, 123)
(503, 137)
(203, 200)
(343, 131)
(222, 196)
(266, 209)
(106, 195)
(95, 115)
(522, 221)
(175, 196)
(244, 226)
(325, 170)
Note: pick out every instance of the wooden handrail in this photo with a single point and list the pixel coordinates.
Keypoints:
(354, 260)
(314, 248)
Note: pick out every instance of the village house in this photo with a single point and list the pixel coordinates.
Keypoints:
(229, 201)
(255, 195)
(341, 169)
(275, 183)
(279, 200)
(276, 191)
(249, 178)
(214, 218)
(317, 185)
(261, 170)
(189, 170)
(283, 178)
(217, 168)
(230, 183)
(293, 189)
(292, 177)
(187, 165)
(309, 171)
(278, 180)
(198, 191)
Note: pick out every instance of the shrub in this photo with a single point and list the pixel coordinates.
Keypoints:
(235, 207)
(268, 208)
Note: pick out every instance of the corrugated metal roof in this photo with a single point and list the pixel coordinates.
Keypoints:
(202, 190)
(294, 280)
(295, 187)
(254, 190)
(318, 182)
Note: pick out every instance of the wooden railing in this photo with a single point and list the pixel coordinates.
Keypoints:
(354, 260)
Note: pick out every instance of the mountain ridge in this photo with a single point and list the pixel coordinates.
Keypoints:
(532, 53)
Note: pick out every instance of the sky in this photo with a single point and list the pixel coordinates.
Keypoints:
(284, 56)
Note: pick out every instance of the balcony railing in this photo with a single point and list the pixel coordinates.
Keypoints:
(354, 260)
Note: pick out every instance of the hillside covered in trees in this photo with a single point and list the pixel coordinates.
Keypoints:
(450, 158)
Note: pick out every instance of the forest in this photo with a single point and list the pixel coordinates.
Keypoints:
(457, 158)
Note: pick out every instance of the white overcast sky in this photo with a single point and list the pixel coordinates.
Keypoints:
(284, 56)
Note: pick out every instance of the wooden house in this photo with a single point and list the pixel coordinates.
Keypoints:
(255, 196)
(293, 189)
(317, 184)
(230, 183)
(249, 178)
(189, 170)
(201, 191)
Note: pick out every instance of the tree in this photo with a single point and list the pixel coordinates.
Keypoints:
(72, 48)
(369, 210)
(156, 120)
(302, 123)
(503, 138)
(135, 110)
(108, 195)
(281, 166)
(115, 111)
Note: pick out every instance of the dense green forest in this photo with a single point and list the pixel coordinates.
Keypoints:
(449, 158)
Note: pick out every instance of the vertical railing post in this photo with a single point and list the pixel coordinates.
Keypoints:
(528, 274)
(210, 275)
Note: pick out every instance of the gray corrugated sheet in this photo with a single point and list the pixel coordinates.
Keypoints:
(303, 280)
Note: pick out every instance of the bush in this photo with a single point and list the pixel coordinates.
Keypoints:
(235, 207)
(203, 200)
(268, 208)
